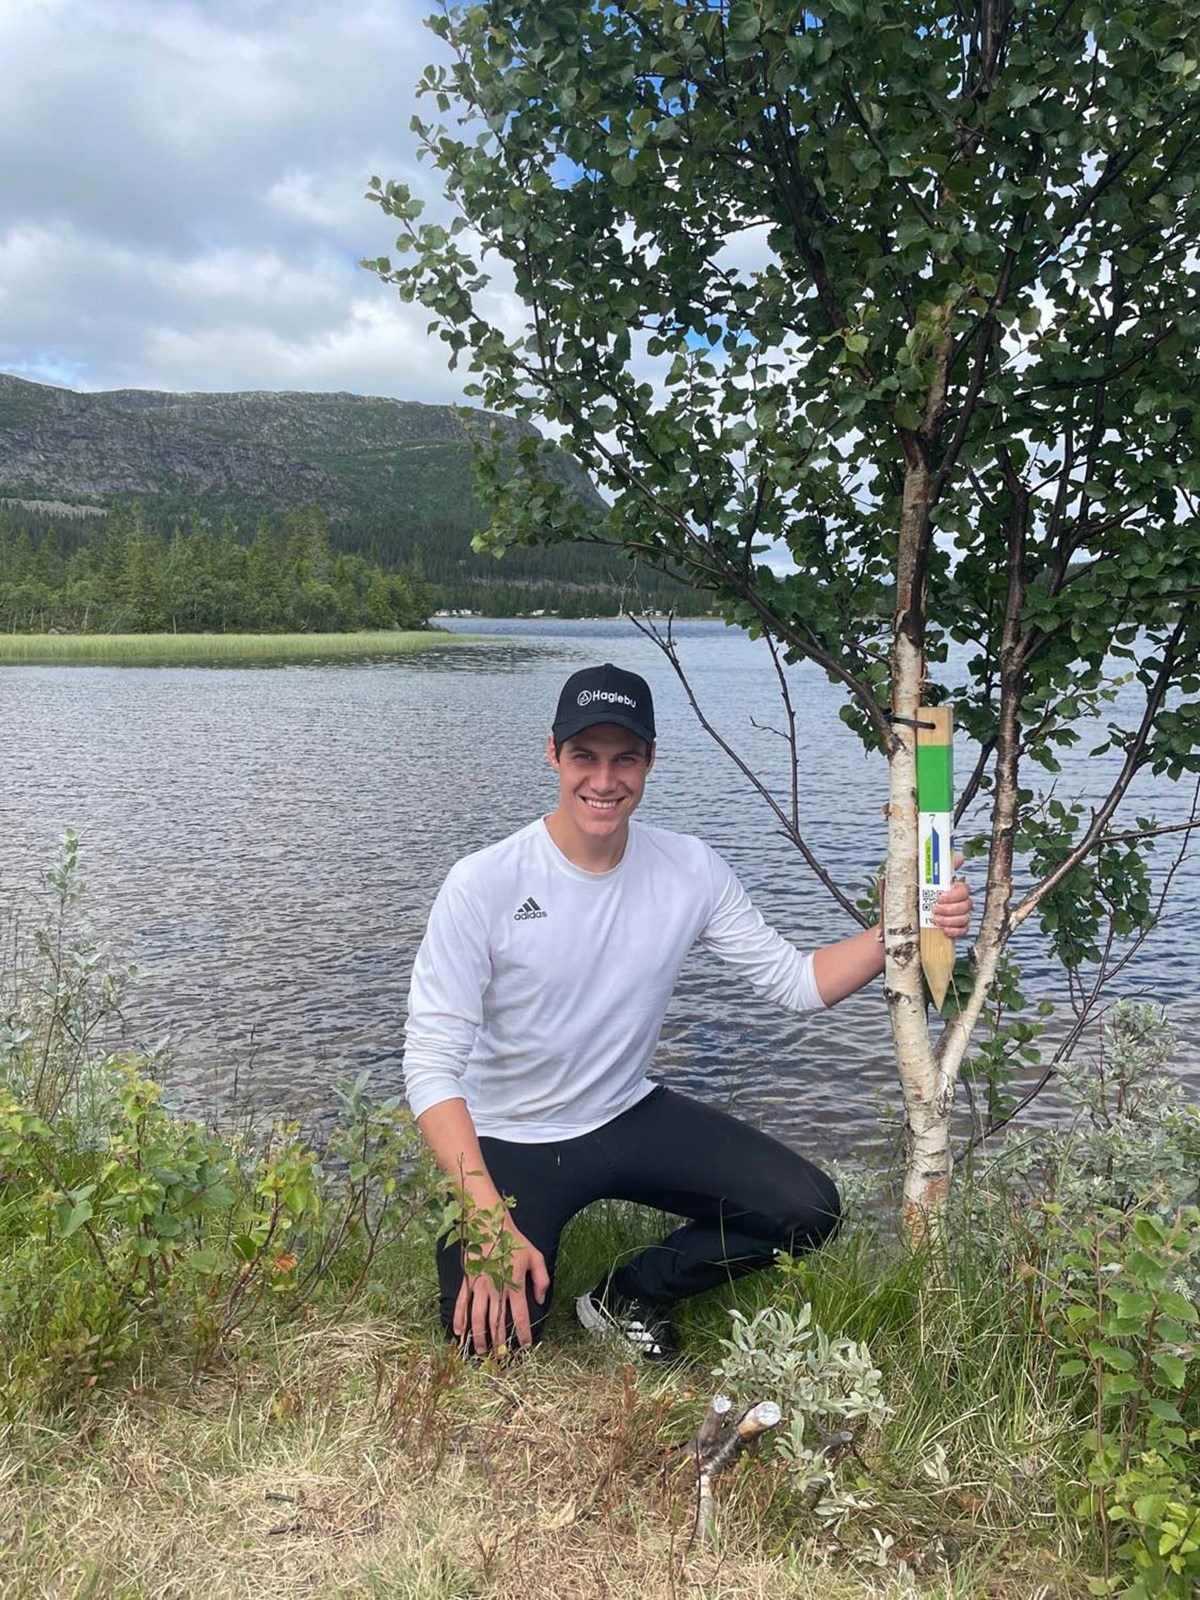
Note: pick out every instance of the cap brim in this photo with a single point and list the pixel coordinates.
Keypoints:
(568, 727)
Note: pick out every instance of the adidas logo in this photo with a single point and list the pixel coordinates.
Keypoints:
(528, 911)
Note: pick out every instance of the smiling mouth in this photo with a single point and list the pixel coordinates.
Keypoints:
(600, 805)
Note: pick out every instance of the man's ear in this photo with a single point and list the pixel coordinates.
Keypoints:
(650, 758)
(550, 755)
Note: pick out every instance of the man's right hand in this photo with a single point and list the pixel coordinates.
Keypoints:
(483, 1308)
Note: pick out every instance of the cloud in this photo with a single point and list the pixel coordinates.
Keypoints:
(183, 187)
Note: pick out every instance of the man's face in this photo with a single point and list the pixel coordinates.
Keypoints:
(601, 776)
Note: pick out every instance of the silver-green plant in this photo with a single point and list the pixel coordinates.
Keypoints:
(1131, 1137)
(1134, 1132)
(861, 1188)
(59, 1000)
(829, 1390)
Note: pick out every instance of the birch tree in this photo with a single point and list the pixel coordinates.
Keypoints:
(909, 293)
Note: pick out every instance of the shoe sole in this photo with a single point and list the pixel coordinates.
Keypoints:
(605, 1327)
(593, 1320)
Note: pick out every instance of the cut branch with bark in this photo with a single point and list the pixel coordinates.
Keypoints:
(716, 1447)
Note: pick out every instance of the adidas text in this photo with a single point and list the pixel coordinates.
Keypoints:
(529, 911)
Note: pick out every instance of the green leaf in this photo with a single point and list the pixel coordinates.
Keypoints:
(1146, 1269)
(1119, 1386)
(1149, 1508)
(1163, 1409)
(1175, 1305)
(908, 415)
(1112, 1355)
(744, 23)
(1173, 1369)
(1132, 1304)
(1149, 1229)
(72, 1217)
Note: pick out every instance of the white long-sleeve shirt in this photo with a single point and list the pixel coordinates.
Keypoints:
(539, 989)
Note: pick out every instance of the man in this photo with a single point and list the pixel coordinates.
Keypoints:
(536, 1001)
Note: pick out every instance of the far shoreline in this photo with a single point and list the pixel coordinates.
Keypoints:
(180, 649)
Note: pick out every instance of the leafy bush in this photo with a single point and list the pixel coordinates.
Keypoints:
(125, 1228)
(1118, 1306)
(1097, 1218)
(1070, 1268)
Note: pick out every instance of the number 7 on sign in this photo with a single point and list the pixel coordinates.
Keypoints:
(935, 835)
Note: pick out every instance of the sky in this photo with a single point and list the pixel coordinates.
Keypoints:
(181, 195)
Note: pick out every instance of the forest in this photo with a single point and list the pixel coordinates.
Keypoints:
(120, 573)
(151, 568)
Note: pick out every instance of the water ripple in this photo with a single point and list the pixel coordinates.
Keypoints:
(265, 843)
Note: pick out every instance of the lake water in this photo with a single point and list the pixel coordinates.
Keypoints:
(265, 844)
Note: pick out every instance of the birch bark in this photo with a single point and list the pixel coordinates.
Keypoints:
(927, 1098)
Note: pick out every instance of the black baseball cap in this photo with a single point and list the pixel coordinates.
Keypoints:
(604, 694)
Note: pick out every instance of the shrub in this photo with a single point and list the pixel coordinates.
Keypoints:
(1119, 1310)
(829, 1391)
(125, 1228)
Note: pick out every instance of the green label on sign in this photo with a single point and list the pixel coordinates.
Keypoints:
(935, 777)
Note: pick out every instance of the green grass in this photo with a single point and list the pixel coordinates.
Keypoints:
(227, 1437)
(354, 1455)
(165, 649)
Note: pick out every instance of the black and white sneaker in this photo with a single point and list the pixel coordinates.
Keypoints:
(641, 1328)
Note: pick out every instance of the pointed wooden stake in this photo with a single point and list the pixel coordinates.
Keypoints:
(935, 867)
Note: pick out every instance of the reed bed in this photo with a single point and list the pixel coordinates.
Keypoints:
(166, 649)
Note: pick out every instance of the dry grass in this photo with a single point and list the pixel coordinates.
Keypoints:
(356, 1463)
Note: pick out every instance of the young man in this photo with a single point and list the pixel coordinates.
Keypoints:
(536, 1001)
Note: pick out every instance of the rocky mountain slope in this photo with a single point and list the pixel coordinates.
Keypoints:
(393, 476)
(354, 455)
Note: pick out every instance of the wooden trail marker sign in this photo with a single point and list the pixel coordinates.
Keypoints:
(935, 834)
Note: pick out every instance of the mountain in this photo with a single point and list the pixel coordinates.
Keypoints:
(393, 475)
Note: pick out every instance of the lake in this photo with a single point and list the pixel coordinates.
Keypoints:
(265, 842)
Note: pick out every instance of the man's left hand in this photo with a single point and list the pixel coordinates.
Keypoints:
(952, 909)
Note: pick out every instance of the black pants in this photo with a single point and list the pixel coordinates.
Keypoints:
(746, 1194)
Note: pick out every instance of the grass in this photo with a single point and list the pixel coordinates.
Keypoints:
(165, 649)
(156, 1442)
(356, 1456)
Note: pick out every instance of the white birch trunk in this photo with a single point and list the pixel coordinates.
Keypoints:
(927, 1097)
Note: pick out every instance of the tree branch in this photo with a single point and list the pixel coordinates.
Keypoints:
(787, 827)
(1133, 760)
(971, 787)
